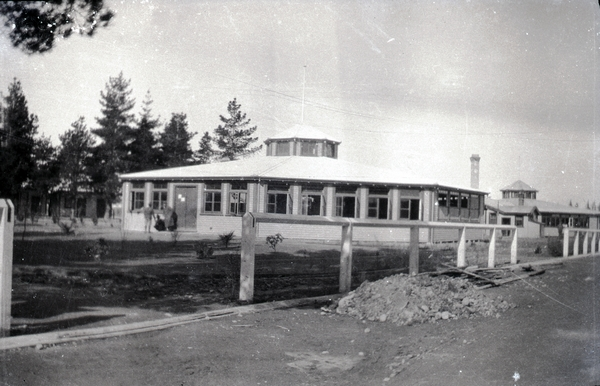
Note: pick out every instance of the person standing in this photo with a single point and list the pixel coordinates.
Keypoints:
(148, 217)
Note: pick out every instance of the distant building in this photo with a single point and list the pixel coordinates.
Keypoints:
(300, 175)
(519, 206)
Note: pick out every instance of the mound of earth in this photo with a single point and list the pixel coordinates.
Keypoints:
(404, 300)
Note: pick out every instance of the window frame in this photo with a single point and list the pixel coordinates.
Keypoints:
(309, 149)
(213, 198)
(313, 193)
(137, 196)
(275, 194)
(236, 202)
(162, 190)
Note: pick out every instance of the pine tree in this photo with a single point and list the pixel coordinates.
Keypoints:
(205, 152)
(144, 151)
(175, 142)
(45, 175)
(234, 137)
(116, 133)
(19, 129)
(75, 156)
(34, 25)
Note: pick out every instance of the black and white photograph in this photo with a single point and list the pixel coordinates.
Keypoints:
(300, 193)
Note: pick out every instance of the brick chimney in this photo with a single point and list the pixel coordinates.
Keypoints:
(475, 171)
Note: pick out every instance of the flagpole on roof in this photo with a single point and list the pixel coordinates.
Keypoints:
(303, 86)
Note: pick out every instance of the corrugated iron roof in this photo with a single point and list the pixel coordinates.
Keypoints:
(518, 186)
(511, 206)
(291, 168)
(302, 132)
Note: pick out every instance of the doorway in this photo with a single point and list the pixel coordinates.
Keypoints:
(186, 206)
(506, 221)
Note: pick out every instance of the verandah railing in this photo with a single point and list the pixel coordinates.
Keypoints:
(251, 220)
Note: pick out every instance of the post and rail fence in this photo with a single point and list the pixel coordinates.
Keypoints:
(589, 247)
(251, 220)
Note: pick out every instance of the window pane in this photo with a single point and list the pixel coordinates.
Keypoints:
(282, 148)
(277, 203)
(311, 205)
(330, 150)
(308, 149)
(405, 209)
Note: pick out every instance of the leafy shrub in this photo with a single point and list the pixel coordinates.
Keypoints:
(555, 246)
(95, 219)
(226, 238)
(203, 250)
(273, 240)
(97, 250)
(66, 228)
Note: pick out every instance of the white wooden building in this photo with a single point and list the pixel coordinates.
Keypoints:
(300, 174)
(535, 218)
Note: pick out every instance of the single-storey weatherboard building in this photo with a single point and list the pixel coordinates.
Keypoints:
(300, 175)
(535, 218)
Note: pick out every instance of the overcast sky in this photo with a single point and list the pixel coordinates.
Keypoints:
(410, 84)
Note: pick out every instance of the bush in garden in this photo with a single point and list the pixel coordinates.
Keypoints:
(66, 228)
(273, 240)
(226, 238)
(97, 250)
(555, 246)
(203, 250)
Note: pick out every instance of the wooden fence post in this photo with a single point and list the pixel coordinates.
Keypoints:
(586, 240)
(346, 259)
(6, 262)
(576, 244)
(413, 258)
(248, 247)
(492, 250)
(565, 242)
(513, 247)
(594, 242)
(461, 260)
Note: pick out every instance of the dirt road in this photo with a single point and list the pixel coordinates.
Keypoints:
(551, 338)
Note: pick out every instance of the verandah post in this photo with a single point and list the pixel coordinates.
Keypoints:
(248, 248)
(413, 257)
(6, 262)
(346, 259)
(492, 249)
(565, 242)
(461, 259)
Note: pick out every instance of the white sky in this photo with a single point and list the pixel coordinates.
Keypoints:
(417, 84)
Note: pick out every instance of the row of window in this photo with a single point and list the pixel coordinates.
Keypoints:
(279, 200)
(556, 220)
(458, 204)
(304, 148)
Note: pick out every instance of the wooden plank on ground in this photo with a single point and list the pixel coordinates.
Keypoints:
(58, 337)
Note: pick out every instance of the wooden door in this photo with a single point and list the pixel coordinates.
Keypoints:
(186, 206)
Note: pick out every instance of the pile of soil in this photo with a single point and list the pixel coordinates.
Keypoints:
(405, 300)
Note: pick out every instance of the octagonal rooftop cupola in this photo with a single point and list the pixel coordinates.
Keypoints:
(302, 141)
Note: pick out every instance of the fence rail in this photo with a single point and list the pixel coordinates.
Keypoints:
(593, 246)
(250, 221)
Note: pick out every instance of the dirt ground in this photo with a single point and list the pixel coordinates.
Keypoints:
(550, 338)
